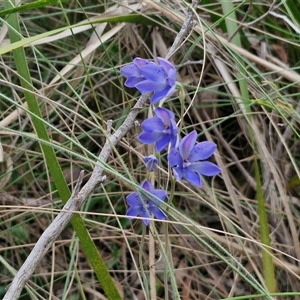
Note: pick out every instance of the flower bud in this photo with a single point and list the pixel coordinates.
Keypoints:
(151, 162)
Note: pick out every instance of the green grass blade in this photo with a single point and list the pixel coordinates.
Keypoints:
(77, 222)
(232, 27)
(132, 18)
(292, 8)
(26, 83)
(29, 6)
(267, 260)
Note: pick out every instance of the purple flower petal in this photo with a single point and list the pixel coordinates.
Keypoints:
(202, 151)
(165, 115)
(160, 194)
(147, 186)
(157, 212)
(167, 66)
(174, 133)
(150, 137)
(174, 158)
(172, 78)
(154, 72)
(133, 199)
(187, 144)
(153, 124)
(130, 71)
(146, 86)
(205, 168)
(157, 96)
(162, 143)
(133, 81)
(140, 62)
(192, 177)
(171, 73)
(178, 173)
(146, 215)
(170, 92)
(134, 211)
(146, 221)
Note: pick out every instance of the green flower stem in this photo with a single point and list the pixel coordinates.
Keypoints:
(77, 222)
(152, 262)
(168, 266)
(182, 100)
(141, 262)
(168, 258)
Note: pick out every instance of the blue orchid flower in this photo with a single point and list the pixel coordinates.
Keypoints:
(161, 129)
(147, 76)
(188, 160)
(144, 205)
(151, 162)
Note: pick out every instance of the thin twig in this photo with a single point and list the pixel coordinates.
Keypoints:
(190, 62)
(185, 28)
(272, 6)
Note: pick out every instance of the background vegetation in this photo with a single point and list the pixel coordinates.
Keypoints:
(235, 238)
